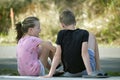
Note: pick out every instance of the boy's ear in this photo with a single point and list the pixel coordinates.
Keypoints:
(63, 25)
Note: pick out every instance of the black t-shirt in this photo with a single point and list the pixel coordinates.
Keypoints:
(71, 44)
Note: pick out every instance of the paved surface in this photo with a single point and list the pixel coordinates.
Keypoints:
(54, 78)
(10, 52)
(107, 64)
(109, 60)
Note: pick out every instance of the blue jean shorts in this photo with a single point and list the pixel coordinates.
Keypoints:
(92, 63)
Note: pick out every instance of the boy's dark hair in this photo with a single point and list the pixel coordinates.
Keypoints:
(22, 27)
(67, 17)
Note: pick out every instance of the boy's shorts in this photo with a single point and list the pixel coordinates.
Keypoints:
(92, 63)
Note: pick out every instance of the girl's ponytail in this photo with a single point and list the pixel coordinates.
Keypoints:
(19, 31)
(23, 27)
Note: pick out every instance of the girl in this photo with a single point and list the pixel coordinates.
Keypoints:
(32, 52)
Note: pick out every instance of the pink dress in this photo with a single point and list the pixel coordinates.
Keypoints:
(28, 56)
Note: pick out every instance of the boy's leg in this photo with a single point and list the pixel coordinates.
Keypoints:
(91, 41)
(92, 45)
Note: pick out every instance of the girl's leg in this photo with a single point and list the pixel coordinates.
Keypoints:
(48, 51)
(92, 44)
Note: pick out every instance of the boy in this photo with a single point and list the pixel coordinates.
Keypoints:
(76, 48)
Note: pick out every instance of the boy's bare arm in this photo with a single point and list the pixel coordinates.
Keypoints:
(86, 58)
(55, 62)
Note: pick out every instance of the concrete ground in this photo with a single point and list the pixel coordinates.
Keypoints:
(54, 78)
(10, 52)
(107, 64)
(109, 60)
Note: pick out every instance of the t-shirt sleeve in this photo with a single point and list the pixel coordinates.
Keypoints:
(59, 38)
(85, 36)
(36, 41)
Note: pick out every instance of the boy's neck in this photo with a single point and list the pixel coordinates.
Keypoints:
(70, 27)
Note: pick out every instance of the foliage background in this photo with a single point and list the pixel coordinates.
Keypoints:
(102, 17)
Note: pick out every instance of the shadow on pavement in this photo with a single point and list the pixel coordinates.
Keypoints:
(107, 64)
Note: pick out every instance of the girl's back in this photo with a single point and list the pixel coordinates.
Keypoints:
(27, 55)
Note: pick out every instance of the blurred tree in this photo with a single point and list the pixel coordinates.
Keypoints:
(5, 5)
(98, 16)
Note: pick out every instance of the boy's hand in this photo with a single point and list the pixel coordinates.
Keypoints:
(46, 76)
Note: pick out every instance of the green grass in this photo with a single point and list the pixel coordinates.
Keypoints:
(114, 73)
(8, 44)
(8, 72)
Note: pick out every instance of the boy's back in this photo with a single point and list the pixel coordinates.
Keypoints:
(71, 44)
